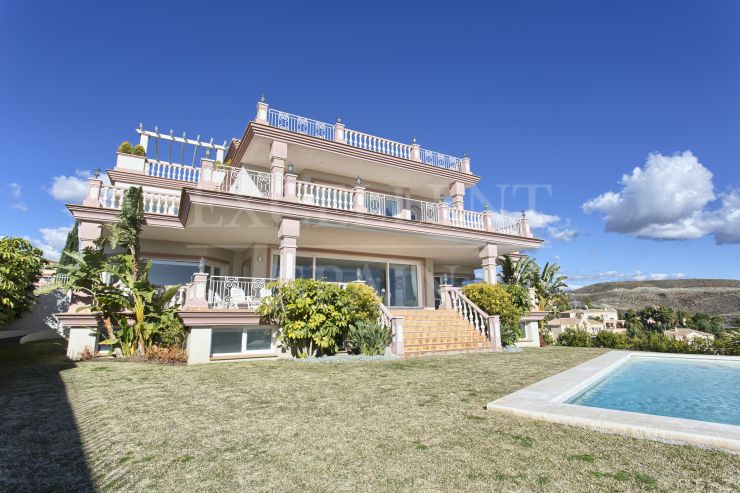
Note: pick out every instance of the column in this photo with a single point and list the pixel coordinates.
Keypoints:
(457, 192)
(199, 345)
(397, 328)
(465, 164)
(494, 332)
(196, 295)
(88, 234)
(429, 283)
(524, 229)
(415, 151)
(358, 196)
(205, 179)
(262, 107)
(488, 255)
(93, 192)
(288, 233)
(81, 339)
(278, 156)
(443, 210)
(339, 131)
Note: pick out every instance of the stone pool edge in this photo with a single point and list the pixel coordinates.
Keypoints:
(546, 400)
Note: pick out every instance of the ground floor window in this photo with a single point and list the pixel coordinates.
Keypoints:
(171, 272)
(396, 283)
(241, 340)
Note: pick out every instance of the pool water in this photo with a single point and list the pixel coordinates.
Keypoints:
(680, 388)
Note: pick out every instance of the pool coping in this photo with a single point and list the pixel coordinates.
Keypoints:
(546, 400)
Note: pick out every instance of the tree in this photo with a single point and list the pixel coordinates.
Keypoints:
(131, 292)
(549, 287)
(20, 267)
(125, 233)
(509, 302)
(72, 245)
(706, 323)
(517, 271)
(657, 318)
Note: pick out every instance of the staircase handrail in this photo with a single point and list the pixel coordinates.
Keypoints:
(485, 324)
(386, 318)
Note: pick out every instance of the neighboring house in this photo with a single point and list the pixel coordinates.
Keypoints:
(591, 320)
(304, 198)
(688, 334)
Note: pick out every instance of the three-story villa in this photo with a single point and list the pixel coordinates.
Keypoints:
(300, 198)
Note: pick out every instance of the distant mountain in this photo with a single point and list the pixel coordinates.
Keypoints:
(713, 296)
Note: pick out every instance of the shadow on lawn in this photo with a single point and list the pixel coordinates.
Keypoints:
(40, 448)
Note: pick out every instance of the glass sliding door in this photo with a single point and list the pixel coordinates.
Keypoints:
(404, 285)
(344, 270)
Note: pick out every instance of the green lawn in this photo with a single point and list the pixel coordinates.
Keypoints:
(279, 425)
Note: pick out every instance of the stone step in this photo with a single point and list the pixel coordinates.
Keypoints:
(442, 340)
(452, 325)
(453, 346)
(416, 354)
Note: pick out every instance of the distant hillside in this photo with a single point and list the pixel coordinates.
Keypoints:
(713, 296)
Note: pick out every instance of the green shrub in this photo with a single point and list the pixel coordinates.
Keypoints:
(312, 315)
(369, 338)
(509, 302)
(139, 150)
(362, 301)
(20, 267)
(125, 148)
(171, 331)
(610, 340)
(575, 338)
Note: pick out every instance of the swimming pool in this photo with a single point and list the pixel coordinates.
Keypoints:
(681, 388)
(676, 398)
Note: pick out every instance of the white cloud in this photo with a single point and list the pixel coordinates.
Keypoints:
(613, 275)
(52, 241)
(15, 190)
(21, 206)
(550, 222)
(70, 188)
(668, 199)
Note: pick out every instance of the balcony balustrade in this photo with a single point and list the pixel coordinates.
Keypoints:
(172, 171)
(111, 197)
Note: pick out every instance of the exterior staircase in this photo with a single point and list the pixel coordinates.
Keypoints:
(439, 331)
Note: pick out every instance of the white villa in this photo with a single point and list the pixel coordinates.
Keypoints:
(298, 197)
(591, 320)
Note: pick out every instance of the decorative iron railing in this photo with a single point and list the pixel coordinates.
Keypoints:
(441, 160)
(237, 292)
(506, 224)
(242, 181)
(300, 124)
(407, 208)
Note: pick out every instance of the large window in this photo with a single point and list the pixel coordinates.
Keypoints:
(397, 283)
(171, 272)
(241, 341)
(404, 287)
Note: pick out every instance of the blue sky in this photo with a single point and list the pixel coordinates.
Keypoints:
(570, 95)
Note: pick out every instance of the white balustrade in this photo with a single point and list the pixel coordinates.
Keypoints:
(154, 203)
(441, 160)
(300, 124)
(324, 195)
(470, 311)
(377, 144)
(237, 292)
(467, 219)
(180, 172)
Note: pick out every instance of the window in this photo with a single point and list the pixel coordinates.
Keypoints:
(171, 272)
(241, 341)
(403, 285)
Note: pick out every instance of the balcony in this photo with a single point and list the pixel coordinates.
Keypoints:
(338, 132)
(287, 188)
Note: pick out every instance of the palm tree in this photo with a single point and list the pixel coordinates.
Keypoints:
(127, 230)
(549, 286)
(517, 271)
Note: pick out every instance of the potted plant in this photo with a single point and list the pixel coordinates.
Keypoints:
(219, 172)
(131, 158)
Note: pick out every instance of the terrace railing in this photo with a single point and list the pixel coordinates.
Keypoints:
(111, 197)
(242, 181)
(300, 124)
(172, 171)
(327, 196)
(237, 292)
(407, 208)
(338, 132)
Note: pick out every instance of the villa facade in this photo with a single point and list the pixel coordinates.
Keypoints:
(300, 198)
